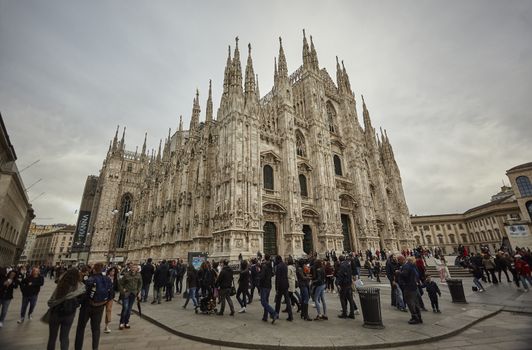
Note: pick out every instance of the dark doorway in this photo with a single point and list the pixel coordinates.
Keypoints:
(346, 231)
(270, 238)
(307, 239)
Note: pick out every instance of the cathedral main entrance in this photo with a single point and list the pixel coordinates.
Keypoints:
(270, 238)
(346, 231)
(308, 247)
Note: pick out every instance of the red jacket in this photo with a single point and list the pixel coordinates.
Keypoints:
(522, 268)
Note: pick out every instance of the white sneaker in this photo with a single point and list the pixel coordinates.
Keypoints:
(356, 312)
(242, 310)
(1, 324)
(20, 321)
(30, 317)
(107, 329)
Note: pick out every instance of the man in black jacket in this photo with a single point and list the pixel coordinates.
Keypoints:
(408, 282)
(344, 280)
(281, 287)
(160, 279)
(391, 266)
(265, 284)
(146, 273)
(225, 282)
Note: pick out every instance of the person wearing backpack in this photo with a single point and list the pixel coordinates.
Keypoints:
(63, 305)
(99, 291)
(129, 286)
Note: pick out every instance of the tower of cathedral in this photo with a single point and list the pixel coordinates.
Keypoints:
(291, 172)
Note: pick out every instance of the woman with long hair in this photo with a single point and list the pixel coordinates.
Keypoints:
(63, 304)
(192, 286)
(112, 274)
(319, 297)
(8, 282)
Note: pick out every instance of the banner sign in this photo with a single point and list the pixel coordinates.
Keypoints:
(196, 259)
(82, 228)
(517, 230)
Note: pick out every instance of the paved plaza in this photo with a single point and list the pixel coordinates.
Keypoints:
(499, 318)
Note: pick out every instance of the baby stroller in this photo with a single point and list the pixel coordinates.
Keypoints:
(207, 305)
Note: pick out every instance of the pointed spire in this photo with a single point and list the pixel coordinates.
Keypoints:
(159, 153)
(115, 140)
(237, 69)
(314, 55)
(194, 120)
(365, 113)
(346, 79)
(257, 86)
(208, 111)
(110, 146)
(339, 77)
(283, 69)
(122, 141)
(227, 72)
(306, 53)
(179, 140)
(144, 144)
(250, 76)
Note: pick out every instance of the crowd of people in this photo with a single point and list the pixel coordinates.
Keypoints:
(298, 284)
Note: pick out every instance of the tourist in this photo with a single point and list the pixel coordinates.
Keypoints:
(433, 291)
(192, 285)
(329, 276)
(523, 271)
(501, 265)
(63, 305)
(99, 291)
(344, 280)
(160, 279)
(265, 284)
(303, 280)
(172, 277)
(146, 272)
(8, 282)
(243, 286)
(112, 274)
(30, 288)
(254, 270)
(281, 287)
(369, 266)
(489, 266)
(319, 295)
(180, 269)
(292, 279)
(377, 270)
(224, 282)
(391, 266)
(477, 275)
(408, 282)
(129, 286)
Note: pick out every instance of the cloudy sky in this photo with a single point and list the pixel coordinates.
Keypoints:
(450, 81)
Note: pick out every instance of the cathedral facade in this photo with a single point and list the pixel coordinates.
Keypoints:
(291, 172)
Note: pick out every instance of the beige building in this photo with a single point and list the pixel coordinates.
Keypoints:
(52, 245)
(291, 172)
(16, 212)
(520, 231)
(504, 221)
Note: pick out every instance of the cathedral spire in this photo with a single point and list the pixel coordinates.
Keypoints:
(237, 69)
(144, 144)
(283, 69)
(250, 76)
(306, 53)
(314, 55)
(115, 140)
(179, 140)
(227, 72)
(367, 119)
(122, 141)
(194, 120)
(346, 79)
(159, 153)
(208, 112)
(340, 82)
(257, 86)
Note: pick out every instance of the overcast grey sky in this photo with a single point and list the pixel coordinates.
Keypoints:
(451, 81)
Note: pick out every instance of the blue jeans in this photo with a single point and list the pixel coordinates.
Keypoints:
(192, 295)
(477, 283)
(145, 291)
(320, 299)
(32, 301)
(264, 301)
(304, 294)
(127, 305)
(4, 303)
(399, 301)
(524, 280)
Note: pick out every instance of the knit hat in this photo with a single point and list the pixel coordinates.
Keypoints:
(518, 256)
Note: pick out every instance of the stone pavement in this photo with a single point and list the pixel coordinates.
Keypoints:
(247, 330)
(503, 330)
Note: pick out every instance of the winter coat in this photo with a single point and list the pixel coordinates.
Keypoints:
(225, 278)
(31, 286)
(281, 277)
(344, 275)
(160, 278)
(243, 279)
(147, 270)
(488, 263)
(130, 283)
(432, 289)
(265, 275)
(522, 268)
(6, 292)
(408, 277)
(192, 279)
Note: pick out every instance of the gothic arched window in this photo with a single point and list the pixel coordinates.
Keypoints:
(125, 213)
(303, 185)
(301, 148)
(525, 188)
(331, 116)
(337, 165)
(267, 174)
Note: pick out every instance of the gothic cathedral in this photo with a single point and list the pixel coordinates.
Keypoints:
(292, 172)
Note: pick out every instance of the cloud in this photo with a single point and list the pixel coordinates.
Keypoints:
(450, 82)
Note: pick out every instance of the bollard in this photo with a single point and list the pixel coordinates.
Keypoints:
(370, 302)
(456, 289)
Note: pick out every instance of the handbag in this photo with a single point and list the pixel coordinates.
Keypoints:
(359, 283)
(46, 317)
(233, 289)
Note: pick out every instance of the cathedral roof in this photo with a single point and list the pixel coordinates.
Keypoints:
(520, 167)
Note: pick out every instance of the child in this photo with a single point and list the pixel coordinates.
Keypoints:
(434, 292)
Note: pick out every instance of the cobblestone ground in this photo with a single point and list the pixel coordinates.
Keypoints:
(504, 331)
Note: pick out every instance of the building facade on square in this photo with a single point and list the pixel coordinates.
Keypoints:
(16, 211)
(291, 172)
(505, 221)
(52, 244)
